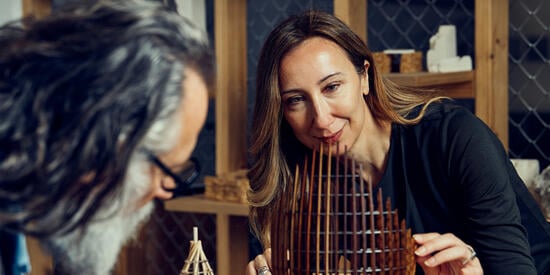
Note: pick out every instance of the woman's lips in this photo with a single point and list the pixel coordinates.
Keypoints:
(332, 138)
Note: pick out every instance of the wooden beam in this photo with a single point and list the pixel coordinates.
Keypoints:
(231, 94)
(491, 50)
(353, 13)
(41, 261)
(37, 8)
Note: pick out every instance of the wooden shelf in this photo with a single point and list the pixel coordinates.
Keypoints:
(199, 204)
(455, 85)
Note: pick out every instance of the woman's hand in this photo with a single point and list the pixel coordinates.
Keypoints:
(445, 254)
(261, 265)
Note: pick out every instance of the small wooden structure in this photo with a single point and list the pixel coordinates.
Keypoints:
(330, 222)
(196, 263)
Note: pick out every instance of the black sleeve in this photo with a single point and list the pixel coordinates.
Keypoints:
(478, 163)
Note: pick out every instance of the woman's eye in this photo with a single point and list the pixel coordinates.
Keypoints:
(332, 87)
(293, 100)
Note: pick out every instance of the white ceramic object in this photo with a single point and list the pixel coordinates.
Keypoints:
(442, 56)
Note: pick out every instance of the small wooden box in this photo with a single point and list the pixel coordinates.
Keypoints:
(411, 62)
(382, 62)
(231, 187)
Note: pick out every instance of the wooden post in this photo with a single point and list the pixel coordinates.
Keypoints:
(231, 94)
(37, 8)
(491, 50)
(353, 13)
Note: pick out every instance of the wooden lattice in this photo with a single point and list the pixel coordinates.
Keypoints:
(329, 222)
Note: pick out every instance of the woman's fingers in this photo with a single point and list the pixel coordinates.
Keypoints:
(454, 253)
(267, 255)
(261, 265)
(250, 269)
(445, 253)
(433, 242)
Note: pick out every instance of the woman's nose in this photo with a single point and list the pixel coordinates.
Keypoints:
(322, 116)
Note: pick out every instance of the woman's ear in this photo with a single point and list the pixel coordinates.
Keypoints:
(365, 79)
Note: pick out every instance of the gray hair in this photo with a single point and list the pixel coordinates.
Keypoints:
(82, 93)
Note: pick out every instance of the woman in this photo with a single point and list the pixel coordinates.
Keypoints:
(448, 173)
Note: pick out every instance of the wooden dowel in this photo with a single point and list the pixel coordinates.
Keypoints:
(300, 231)
(373, 229)
(345, 213)
(319, 200)
(308, 232)
(293, 214)
(336, 208)
(397, 242)
(328, 212)
(382, 235)
(275, 229)
(364, 212)
(354, 220)
(391, 243)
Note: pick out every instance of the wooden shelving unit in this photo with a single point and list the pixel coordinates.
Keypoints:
(455, 85)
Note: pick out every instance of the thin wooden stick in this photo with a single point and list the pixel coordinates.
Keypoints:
(308, 236)
(382, 236)
(293, 215)
(328, 212)
(373, 228)
(336, 222)
(195, 241)
(319, 201)
(354, 221)
(403, 242)
(345, 235)
(391, 243)
(301, 214)
(364, 217)
(397, 238)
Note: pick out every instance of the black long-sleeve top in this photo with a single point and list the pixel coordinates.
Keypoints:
(451, 174)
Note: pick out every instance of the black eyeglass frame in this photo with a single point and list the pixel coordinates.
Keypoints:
(183, 186)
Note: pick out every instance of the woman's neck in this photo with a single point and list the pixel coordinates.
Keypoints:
(371, 151)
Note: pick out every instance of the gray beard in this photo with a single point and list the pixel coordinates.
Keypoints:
(93, 250)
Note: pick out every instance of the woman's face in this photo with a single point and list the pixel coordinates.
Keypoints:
(322, 94)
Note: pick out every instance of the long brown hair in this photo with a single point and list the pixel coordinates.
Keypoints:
(274, 147)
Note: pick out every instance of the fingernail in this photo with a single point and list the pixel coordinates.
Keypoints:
(430, 262)
(416, 237)
(420, 251)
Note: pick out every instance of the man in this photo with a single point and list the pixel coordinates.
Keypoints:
(99, 105)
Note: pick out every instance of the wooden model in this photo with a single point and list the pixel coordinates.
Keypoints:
(329, 222)
(196, 263)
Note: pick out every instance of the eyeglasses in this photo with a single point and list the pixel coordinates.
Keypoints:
(183, 179)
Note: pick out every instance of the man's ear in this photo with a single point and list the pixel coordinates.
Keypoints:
(365, 79)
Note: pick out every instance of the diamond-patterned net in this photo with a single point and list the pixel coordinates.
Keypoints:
(410, 24)
(529, 86)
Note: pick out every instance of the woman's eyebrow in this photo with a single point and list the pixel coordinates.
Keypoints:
(318, 83)
(327, 77)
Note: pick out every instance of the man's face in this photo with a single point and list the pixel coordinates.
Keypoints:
(193, 115)
(94, 249)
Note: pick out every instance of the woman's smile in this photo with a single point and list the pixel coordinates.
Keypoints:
(330, 139)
